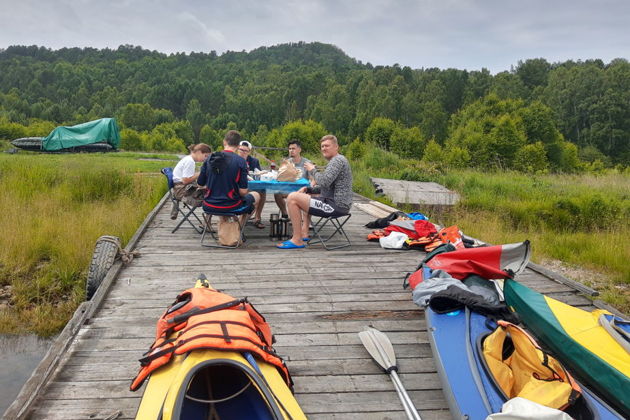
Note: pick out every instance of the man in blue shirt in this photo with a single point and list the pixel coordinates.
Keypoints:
(224, 174)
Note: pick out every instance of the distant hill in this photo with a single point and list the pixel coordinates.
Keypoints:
(267, 87)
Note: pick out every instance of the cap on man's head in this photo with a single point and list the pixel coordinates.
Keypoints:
(246, 144)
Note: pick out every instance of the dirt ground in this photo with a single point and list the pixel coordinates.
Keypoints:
(594, 280)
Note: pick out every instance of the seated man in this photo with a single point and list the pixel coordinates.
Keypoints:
(244, 151)
(225, 176)
(335, 187)
(295, 155)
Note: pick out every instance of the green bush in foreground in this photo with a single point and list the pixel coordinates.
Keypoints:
(54, 208)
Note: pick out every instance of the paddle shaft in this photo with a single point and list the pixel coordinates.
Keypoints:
(410, 409)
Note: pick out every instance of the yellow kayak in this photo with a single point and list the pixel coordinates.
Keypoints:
(212, 384)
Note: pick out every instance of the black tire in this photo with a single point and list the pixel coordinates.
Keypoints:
(103, 258)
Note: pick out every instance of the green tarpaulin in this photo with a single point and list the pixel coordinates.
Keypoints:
(103, 130)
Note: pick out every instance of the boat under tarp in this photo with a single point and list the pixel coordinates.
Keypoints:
(35, 144)
(104, 130)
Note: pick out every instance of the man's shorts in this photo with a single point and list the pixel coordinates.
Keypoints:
(325, 207)
(246, 207)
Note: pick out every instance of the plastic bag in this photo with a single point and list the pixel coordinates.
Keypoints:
(288, 172)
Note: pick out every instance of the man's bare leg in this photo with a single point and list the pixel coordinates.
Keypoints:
(260, 204)
(281, 202)
(245, 216)
(306, 224)
(297, 203)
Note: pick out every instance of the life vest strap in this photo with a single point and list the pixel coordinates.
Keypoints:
(196, 311)
(148, 359)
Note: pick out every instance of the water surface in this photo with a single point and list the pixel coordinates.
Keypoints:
(19, 356)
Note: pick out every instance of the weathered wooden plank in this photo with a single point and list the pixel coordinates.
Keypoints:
(303, 384)
(176, 283)
(369, 402)
(118, 327)
(84, 408)
(315, 352)
(92, 369)
(87, 340)
(363, 405)
(275, 299)
(266, 308)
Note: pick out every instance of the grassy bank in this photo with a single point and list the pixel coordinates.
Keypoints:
(582, 220)
(54, 208)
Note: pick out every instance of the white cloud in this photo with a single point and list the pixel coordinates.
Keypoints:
(419, 33)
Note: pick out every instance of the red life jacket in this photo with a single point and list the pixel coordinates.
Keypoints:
(204, 318)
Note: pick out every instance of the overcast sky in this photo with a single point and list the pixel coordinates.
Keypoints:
(463, 34)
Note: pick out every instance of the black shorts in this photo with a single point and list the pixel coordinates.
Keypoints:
(325, 207)
(246, 207)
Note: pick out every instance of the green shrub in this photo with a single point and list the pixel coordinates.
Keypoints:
(433, 153)
(531, 158)
(380, 132)
(355, 150)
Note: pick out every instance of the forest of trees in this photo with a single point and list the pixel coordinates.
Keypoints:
(538, 116)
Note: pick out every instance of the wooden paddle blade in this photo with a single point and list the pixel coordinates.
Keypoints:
(379, 347)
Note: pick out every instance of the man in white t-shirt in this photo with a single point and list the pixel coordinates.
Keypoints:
(184, 173)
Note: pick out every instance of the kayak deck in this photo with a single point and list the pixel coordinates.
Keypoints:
(316, 302)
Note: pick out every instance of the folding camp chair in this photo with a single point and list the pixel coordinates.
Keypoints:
(187, 211)
(207, 227)
(336, 226)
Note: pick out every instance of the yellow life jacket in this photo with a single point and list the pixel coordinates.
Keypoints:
(522, 369)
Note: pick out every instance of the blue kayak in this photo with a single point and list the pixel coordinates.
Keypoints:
(469, 388)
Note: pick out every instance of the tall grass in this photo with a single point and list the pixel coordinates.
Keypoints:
(582, 220)
(54, 208)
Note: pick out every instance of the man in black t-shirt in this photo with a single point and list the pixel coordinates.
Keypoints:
(244, 150)
(224, 174)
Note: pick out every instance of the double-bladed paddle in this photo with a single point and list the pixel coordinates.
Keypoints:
(382, 351)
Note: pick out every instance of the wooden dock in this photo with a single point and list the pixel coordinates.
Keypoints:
(315, 300)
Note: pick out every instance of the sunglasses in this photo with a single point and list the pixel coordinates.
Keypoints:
(243, 150)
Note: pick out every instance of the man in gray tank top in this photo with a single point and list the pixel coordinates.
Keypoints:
(334, 187)
(295, 156)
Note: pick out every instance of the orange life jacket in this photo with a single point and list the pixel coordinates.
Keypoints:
(451, 235)
(204, 318)
(375, 235)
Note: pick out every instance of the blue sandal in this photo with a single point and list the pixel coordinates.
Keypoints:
(288, 245)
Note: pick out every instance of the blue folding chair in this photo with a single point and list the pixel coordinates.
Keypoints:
(187, 211)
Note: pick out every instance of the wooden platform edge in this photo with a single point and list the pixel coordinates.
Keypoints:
(27, 396)
(561, 279)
